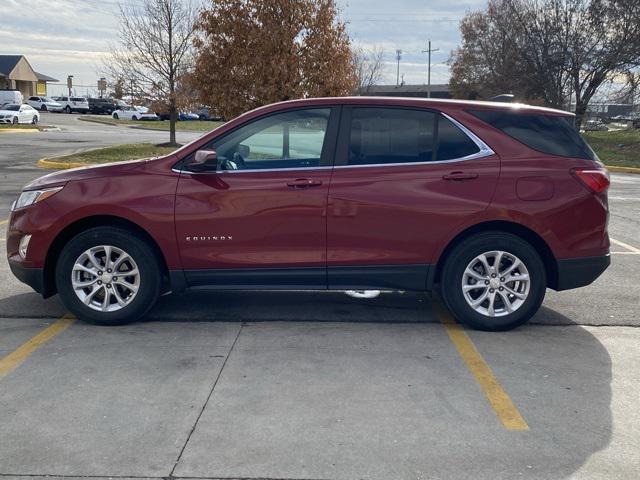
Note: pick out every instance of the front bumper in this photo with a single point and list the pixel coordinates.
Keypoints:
(578, 272)
(34, 277)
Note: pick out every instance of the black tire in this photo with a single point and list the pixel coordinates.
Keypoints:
(469, 249)
(134, 118)
(115, 116)
(15, 121)
(43, 108)
(138, 249)
(67, 109)
(34, 121)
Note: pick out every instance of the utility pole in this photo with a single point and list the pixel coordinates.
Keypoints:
(70, 83)
(429, 51)
(398, 57)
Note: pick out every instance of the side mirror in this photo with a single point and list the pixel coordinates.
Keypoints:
(204, 160)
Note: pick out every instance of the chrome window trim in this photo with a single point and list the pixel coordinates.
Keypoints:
(484, 151)
(253, 170)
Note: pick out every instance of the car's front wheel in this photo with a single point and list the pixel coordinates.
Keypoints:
(34, 120)
(43, 108)
(67, 109)
(493, 281)
(115, 116)
(108, 276)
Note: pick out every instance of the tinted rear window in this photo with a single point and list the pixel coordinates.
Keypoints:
(552, 134)
(396, 135)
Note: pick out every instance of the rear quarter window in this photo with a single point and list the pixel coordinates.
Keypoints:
(551, 134)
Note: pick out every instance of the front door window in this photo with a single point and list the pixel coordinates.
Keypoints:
(293, 139)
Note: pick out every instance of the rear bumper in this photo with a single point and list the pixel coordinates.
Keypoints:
(578, 272)
(34, 277)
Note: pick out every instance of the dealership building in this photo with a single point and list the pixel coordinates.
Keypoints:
(16, 74)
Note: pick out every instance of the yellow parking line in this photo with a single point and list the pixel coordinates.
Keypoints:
(19, 355)
(497, 397)
(625, 245)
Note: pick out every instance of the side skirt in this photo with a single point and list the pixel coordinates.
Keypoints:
(376, 277)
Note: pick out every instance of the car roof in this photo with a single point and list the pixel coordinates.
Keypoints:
(425, 103)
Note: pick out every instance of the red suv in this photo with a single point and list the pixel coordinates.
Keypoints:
(490, 203)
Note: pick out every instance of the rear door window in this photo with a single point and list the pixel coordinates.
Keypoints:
(453, 143)
(398, 136)
(388, 135)
(551, 134)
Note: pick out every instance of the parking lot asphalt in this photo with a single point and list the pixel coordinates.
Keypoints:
(306, 385)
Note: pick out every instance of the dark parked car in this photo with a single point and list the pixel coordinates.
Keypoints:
(205, 113)
(99, 106)
(489, 203)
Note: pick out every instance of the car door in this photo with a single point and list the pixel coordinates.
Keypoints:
(25, 114)
(260, 219)
(403, 179)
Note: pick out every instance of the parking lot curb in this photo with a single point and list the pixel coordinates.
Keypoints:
(18, 130)
(51, 164)
(623, 169)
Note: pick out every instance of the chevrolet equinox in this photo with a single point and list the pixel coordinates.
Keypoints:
(488, 203)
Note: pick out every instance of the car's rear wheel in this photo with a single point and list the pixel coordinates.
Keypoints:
(493, 281)
(67, 109)
(108, 276)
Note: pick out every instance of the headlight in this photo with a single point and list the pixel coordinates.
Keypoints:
(34, 196)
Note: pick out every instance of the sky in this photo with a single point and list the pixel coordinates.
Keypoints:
(72, 37)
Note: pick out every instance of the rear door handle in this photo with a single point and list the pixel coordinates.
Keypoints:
(304, 183)
(458, 176)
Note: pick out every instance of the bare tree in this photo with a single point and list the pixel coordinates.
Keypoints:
(155, 50)
(368, 65)
(556, 50)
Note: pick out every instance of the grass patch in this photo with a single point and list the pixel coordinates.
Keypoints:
(193, 125)
(620, 147)
(7, 126)
(115, 153)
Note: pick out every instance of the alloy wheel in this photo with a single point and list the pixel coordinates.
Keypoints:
(495, 283)
(105, 278)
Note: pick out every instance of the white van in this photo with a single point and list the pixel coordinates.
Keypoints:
(11, 96)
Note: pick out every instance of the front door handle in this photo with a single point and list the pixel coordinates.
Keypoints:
(304, 183)
(459, 176)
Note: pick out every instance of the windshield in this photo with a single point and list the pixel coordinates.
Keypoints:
(46, 99)
(13, 108)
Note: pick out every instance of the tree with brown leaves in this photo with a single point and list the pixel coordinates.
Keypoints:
(254, 52)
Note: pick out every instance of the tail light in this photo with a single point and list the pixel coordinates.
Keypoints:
(595, 180)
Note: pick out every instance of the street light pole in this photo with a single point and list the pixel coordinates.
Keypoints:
(429, 51)
(398, 57)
